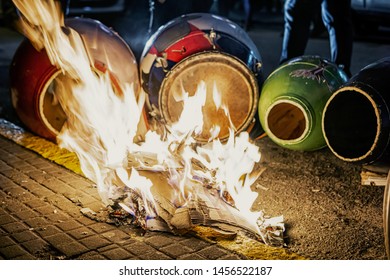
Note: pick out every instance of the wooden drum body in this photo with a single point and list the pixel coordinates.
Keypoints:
(32, 75)
(293, 99)
(203, 47)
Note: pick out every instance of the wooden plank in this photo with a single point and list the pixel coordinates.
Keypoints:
(374, 174)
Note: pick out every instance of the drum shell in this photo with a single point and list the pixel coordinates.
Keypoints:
(386, 215)
(292, 101)
(361, 133)
(31, 74)
(187, 37)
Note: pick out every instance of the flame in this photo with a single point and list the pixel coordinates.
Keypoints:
(102, 123)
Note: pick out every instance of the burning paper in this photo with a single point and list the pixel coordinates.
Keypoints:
(167, 181)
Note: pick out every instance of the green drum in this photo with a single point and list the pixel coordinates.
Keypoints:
(293, 98)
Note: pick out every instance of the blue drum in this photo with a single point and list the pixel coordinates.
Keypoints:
(203, 47)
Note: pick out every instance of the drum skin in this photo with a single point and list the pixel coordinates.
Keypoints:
(293, 98)
(31, 75)
(193, 41)
(356, 120)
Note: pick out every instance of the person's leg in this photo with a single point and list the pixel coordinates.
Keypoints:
(224, 7)
(248, 13)
(336, 15)
(201, 6)
(297, 17)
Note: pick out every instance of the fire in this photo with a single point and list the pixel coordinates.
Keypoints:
(102, 122)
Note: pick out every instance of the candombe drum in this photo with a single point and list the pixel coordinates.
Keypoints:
(386, 215)
(292, 101)
(203, 47)
(356, 119)
(32, 75)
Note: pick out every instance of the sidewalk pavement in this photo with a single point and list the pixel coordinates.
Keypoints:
(40, 218)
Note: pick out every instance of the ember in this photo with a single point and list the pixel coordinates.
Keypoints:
(167, 181)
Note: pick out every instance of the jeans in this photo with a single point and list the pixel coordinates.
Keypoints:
(336, 15)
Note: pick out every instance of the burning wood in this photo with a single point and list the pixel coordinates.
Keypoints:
(167, 181)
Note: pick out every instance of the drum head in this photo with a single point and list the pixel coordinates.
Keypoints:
(234, 81)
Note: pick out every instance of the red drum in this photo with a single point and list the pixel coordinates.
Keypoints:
(32, 75)
(209, 48)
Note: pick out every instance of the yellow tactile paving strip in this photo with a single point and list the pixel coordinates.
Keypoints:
(248, 247)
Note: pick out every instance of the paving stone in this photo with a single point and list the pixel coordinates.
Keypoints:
(139, 248)
(80, 233)
(30, 184)
(25, 257)
(4, 167)
(6, 241)
(193, 256)
(20, 193)
(13, 206)
(3, 197)
(158, 241)
(27, 155)
(46, 209)
(18, 163)
(57, 186)
(57, 217)
(116, 236)
(232, 257)
(60, 238)
(92, 192)
(48, 230)
(38, 175)
(117, 254)
(212, 253)
(6, 219)
(86, 199)
(38, 160)
(35, 246)
(12, 251)
(69, 225)
(42, 192)
(94, 242)
(155, 256)
(64, 204)
(107, 248)
(23, 236)
(14, 227)
(96, 206)
(175, 250)
(35, 203)
(27, 214)
(85, 221)
(101, 227)
(22, 178)
(37, 222)
(70, 249)
(91, 256)
(194, 244)
(79, 182)
(62, 174)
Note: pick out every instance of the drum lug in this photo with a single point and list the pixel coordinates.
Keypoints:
(258, 67)
(181, 51)
(162, 62)
(212, 37)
